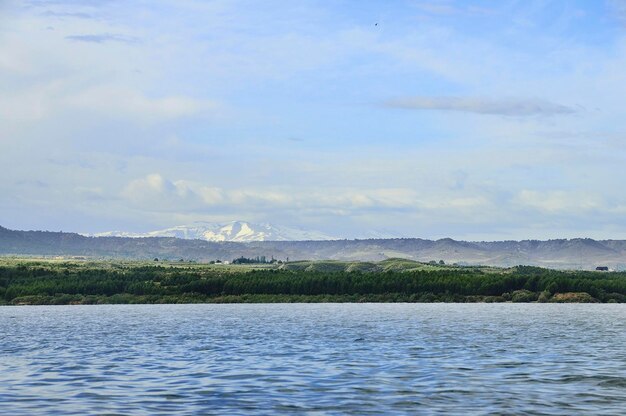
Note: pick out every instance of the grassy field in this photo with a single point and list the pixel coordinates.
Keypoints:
(329, 266)
(78, 263)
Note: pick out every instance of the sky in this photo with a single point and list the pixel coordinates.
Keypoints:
(475, 120)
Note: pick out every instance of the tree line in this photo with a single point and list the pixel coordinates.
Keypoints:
(150, 284)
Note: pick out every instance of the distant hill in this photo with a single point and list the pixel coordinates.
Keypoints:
(560, 254)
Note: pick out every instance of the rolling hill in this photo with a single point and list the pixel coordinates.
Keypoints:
(580, 253)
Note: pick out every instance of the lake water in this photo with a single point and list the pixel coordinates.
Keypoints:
(313, 358)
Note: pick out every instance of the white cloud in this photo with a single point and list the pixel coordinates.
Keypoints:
(56, 99)
(155, 192)
(148, 187)
(559, 201)
(128, 103)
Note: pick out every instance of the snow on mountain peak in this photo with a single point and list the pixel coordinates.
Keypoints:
(239, 231)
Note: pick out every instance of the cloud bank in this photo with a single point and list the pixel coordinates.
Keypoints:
(102, 38)
(476, 105)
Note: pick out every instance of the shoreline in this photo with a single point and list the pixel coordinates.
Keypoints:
(126, 299)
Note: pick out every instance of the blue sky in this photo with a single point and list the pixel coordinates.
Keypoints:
(471, 120)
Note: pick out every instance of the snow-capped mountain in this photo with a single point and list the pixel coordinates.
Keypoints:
(240, 231)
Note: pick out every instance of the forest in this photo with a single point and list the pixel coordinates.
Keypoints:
(30, 282)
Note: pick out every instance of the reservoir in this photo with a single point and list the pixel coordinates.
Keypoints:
(543, 359)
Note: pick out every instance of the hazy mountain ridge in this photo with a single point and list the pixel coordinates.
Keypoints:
(561, 253)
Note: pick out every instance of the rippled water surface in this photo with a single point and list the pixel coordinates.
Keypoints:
(313, 358)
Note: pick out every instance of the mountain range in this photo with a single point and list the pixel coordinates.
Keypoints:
(239, 231)
(579, 253)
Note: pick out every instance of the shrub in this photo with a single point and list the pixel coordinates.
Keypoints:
(573, 297)
(523, 296)
(544, 296)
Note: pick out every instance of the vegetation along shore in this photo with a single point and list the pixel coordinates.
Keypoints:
(29, 281)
